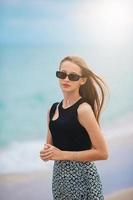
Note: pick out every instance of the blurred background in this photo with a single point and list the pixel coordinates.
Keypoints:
(34, 37)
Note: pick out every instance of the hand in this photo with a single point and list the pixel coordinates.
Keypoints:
(42, 153)
(50, 152)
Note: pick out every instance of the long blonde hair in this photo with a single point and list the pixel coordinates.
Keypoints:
(93, 91)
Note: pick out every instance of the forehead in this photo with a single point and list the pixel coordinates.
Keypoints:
(69, 66)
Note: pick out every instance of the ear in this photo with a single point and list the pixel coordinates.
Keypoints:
(83, 81)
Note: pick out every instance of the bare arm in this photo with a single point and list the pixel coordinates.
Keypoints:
(49, 136)
(99, 149)
(49, 141)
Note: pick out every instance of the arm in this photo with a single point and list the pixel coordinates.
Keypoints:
(99, 149)
(48, 141)
(49, 136)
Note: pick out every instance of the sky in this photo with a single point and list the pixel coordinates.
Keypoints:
(66, 22)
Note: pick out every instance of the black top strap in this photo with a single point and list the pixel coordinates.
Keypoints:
(52, 110)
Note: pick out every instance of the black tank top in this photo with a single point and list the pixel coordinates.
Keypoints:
(67, 132)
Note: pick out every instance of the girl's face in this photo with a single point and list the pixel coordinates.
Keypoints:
(68, 85)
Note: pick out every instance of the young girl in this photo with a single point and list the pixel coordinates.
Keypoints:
(74, 138)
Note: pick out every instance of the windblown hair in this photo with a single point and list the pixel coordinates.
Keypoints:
(93, 91)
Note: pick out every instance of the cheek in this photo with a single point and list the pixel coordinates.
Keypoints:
(60, 83)
(76, 84)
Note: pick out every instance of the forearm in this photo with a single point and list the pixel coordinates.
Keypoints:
(49, 141)
(49, 138)
(86, 155)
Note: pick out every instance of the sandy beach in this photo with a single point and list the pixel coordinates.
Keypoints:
(37, 186)
(115, 173)
(34, 185)
(125, 194)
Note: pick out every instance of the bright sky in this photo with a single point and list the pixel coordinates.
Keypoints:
(60, 21)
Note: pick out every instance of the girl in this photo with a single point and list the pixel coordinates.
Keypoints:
(74, 138)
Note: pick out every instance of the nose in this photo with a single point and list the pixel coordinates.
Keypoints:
(66, 79)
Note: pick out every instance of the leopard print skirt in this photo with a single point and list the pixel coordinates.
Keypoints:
(74, 180)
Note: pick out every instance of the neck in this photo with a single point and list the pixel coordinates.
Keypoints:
(70, 98)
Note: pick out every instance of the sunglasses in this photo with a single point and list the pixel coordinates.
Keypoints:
(71, 76)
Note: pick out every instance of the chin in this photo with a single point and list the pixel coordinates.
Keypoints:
(66, 89)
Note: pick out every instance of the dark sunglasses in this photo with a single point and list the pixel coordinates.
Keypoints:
(71, 76)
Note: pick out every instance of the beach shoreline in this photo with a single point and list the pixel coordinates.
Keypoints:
(29, 185)
(124, 194)
(115, 174)
(37, 185)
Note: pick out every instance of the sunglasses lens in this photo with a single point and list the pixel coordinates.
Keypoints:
(73, 77)
(61, 75)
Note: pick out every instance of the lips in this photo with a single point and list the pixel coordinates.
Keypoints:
(66, 85)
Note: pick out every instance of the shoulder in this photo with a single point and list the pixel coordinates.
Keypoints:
(86, 115)
(52, 108)
(84, 108)
(85, 112)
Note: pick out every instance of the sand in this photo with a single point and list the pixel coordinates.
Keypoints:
(37, 185)
(125, 194)
(24, 186)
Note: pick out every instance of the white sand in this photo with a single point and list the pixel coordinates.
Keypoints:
(126, 194)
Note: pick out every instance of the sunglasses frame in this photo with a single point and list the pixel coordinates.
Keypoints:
(75, 76)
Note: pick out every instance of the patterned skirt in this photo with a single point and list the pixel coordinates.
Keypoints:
(74, 180)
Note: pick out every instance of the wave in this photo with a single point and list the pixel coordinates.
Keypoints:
(24, 156)
(119, 127)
